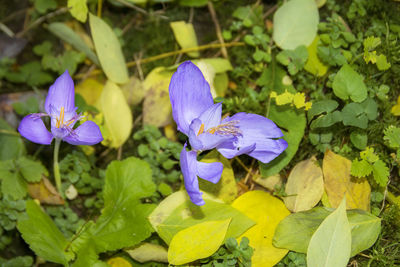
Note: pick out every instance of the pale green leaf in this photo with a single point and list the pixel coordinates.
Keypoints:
(11, 144)
(148, 252)
(108, 50)
(381, 62)
(295, 231)
(66, 34)
(295, 23)
(117, 114)
(42, 235)
(349, 84)
(185, 36)
(78, 9)
(31, 170)
(330, 245)
(381, 172)
(360, 168)
(197, 241)
(392, 136)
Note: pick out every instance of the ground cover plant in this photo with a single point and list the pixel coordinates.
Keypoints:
(199, 133)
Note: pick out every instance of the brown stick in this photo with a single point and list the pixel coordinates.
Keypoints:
(217, 28)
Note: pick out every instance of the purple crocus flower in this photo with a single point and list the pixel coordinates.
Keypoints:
(60, 107)
(200, 119)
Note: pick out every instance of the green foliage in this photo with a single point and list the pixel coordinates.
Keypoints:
(78, 9)
(231, 254)
(42, 235)
(161, 153)
(349, 84)
(370, 55)
(370, 162)
(30, 73)
(31, 105)
(42, 6)
(10, 210)
(65, 219)
(293, 59)
(15, 174)
(392, 136)
(11, 144)
(293, 259)
(21, 261)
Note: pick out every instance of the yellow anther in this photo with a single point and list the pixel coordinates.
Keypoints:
(201, 130)
(60, 121)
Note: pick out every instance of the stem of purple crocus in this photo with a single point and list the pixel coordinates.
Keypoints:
(56, 168)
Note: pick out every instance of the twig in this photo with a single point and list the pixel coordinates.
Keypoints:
(6, 30)
(9, 132)
(172, 53)
(138, 65)
(242, 164)
(41, 19)
(119, 154)
(13, 15)
(249, 172)
(217, 28)
(270, 11)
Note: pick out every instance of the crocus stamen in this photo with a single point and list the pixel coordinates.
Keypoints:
(229, 128)
(60, 121)
(201, 130)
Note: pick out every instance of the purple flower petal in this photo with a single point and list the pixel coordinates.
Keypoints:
(268, 150)
(86, 134)
(212, 116)
(190, 95)
(61, 94)
(33, 129)
(210, 171)
(255, 130)
(188, 164)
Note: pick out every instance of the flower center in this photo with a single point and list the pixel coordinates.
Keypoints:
(229, 128)
(60, 120)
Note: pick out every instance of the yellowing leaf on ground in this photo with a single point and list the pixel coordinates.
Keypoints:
(133, 91)
(313, 64)
(267, 211)
(119, 262)
(157, 109)
(117, 114)
(108, 50)
(396, 108)
(45, 192)
(339, 183)
(197, 241)
(185, 36)
(226, 188)
(90, 90)
(269, 182)
(305, 186)
(330, 245)
(148, 252)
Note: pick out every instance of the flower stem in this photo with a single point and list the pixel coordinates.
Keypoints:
(56, 168)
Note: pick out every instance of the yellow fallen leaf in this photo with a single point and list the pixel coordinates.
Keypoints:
(396, 108)
(185, 36)
(117, 114)
(226, 188)
(197, 241)
(148, 252)
(90, 90)
(267, 211)
(157, 109)
(269, 182)
(313, 64)
(339, 183)
(305, 186)
(133, 91)
(119, 262)
(45, 192)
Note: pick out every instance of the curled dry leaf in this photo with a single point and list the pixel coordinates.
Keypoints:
(45, 192)
(305, 186)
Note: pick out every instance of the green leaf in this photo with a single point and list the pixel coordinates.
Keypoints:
(314, 64)
(330, 245)
(31, 170)
(123, 221)
(360, 168)
(193, 3)
(359, 139)
(381, 62)
(20, 261)
(322, 106)
(331, 56)
(295, 23)
(349, 84)
(12, 183)
(380, 172)
(43, 236)
(78, 9)
(295, 231)
(327, 120)
(11, 144)
(108, 50)
(185, 36)
(43, 5)
(392, 136)
(371, 42)
(294, 59)
(177, 212)
(66, 34)
(353, 114)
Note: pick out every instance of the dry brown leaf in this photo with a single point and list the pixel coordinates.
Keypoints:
(45, 192)
(305, 186)
(339, 182)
